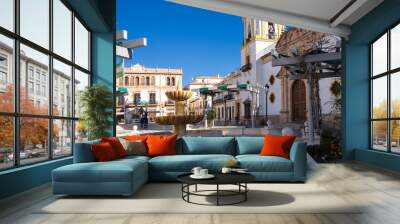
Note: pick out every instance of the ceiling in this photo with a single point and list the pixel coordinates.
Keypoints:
(328, 16)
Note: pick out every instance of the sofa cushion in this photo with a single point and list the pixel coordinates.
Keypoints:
(257, 163)
(116, 145)
(185, 163)
(275, 145)
(103, 152)
(161, 145)
(112, 171)
(206, 145)
(134, 147)
(83, 152)
(249, 145)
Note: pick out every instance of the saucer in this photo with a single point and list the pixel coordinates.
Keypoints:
(208, 176)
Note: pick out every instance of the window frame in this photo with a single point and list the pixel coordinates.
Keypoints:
(16, 114)
(388, 74)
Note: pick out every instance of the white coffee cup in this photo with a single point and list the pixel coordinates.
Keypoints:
(203, 172)
(226, 170)
(196, 171)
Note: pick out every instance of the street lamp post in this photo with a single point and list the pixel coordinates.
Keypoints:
(266, 101)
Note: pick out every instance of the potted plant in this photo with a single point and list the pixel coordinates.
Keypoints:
(210, 116)
(97, 102)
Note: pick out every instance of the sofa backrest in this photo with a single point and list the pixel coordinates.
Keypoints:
(206, 145)
(83, 152)
(249, 145)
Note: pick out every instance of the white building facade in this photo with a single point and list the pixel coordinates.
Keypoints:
(198, 103)
(147, 88)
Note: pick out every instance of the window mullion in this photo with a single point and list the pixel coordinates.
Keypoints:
(73, 81)
(389, 104)
(16, 85)
(50, 81)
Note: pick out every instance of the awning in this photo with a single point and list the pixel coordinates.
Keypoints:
(222, 88)
(122, 90)
(327, 16)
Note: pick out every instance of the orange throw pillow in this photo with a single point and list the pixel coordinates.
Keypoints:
(161, 145)
(103, 152)
(277, 145)
(116, 145)
(136, 137)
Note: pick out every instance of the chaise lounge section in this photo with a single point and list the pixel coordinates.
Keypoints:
(125, 176)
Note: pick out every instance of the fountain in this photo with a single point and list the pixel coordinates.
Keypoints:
(180, 119)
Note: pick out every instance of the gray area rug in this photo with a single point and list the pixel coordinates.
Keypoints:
(166, 198)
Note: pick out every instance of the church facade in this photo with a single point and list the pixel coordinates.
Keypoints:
(271, 94)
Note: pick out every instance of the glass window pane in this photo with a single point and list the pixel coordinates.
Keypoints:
(33, 140)
(81, 45)
(6, 74)
(81, 82)
(7, 14)
(6, 142)
(35, 21)
(395, 47)
(395, 136)
(34, 96)
(379, 97)
(62, 89)
(379, 56)
(62, 138)
(62, 29)
(81, 131)
(379, 135)
(395, 95)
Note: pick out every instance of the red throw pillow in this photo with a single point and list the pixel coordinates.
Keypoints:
(103, 152)
(161, 145)
(116, 145)
(277, 145)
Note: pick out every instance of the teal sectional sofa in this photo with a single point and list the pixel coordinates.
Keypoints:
(125, 176)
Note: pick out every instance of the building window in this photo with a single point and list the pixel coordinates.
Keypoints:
(168, 81)
(136, 98)
(30, 73)
(385, 97)
(137, 81)
(142, 80)
(55, 127)
(271, 30)
(152, 98)
(30, 87)
(131, 81)
(147, 81)
(173, 81)
(126, 80)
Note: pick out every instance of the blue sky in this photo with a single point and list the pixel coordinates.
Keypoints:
(199, 41)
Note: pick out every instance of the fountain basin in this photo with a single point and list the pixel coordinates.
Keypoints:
(178, 95)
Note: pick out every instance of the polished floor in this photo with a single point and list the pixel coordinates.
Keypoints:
(379, 190)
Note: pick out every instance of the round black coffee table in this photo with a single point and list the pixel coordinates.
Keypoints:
(238, 179)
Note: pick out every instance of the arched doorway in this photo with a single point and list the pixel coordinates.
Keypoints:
(298, 101)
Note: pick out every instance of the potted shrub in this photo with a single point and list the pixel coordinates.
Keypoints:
(97, 102)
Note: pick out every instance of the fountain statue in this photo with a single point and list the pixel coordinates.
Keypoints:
(180, 119)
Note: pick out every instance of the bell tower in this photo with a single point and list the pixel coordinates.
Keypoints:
(257, 35)
(258, 30)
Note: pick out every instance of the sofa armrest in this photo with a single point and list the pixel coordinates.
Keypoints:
(83, 152)
(298, 155)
